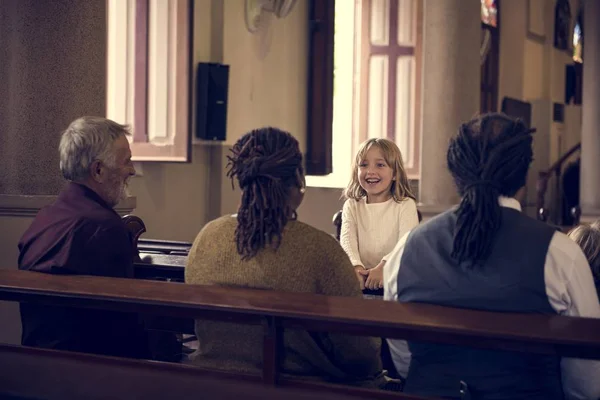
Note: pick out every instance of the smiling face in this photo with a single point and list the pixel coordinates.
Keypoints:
(120, 174)
(110, 179)
(375, 176)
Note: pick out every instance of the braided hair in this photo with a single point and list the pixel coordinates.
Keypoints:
(267, 163)
(489, 157)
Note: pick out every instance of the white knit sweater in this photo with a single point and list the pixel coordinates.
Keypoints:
(371, 231)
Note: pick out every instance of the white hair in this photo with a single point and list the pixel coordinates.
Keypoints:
(86, 140)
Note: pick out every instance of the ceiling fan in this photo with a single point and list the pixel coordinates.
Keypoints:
(255, 11)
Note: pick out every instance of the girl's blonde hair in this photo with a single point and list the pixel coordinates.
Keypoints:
(587, 236)
(400, 188)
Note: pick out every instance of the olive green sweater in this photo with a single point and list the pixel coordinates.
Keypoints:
(307, 261)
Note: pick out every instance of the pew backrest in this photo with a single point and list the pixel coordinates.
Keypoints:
(535, 333)
(56, 375)
(276, 311)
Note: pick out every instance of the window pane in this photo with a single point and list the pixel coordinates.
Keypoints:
(406, 22)
(380, 22)
(378, 96)
(405, 100)
(158, 71)
(343, 87)
(489, 12)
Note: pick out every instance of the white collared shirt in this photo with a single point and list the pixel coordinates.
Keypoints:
(571, 292)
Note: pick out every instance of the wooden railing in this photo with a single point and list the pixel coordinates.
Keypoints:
(276, 311)
(542, 186)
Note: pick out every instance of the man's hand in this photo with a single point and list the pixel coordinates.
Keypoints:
(361, 275)
(375, 277)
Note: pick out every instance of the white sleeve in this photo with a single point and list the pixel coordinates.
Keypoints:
(349, 232)
(399, 350)
(390, 270)
(408, 219)
(571, 292)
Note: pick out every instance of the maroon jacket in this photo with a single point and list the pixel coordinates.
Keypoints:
(79, 234)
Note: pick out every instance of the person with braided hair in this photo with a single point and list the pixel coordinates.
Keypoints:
(485, 254)
(264, 246)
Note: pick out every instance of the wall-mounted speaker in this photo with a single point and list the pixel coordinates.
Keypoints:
(211, 101)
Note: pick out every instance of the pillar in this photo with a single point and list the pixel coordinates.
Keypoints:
(451, 90)
(52, 70)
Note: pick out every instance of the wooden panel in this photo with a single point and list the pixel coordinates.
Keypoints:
(319, 153)
(140, 72)
(578, 337)
(55, 375)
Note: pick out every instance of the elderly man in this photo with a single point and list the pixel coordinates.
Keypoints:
(81, 234)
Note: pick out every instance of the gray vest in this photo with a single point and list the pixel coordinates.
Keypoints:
(511, 280)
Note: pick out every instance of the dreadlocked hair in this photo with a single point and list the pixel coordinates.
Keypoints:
(489, 157)
(267, 163)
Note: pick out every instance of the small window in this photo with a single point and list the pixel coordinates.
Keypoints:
(148, 75)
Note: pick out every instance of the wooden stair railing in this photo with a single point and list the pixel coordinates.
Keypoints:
(542, 186)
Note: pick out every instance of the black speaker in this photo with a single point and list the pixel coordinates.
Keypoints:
(211, 101)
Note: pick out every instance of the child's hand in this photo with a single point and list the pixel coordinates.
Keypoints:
(361, 274)
(375, 279)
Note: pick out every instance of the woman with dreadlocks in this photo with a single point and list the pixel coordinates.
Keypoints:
(264, 246)
(485, 254)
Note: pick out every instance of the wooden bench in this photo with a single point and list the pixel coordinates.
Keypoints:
(276, 311)
(160, 267)
(30, 373)
(154, 259)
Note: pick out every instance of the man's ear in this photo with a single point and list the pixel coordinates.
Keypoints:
(97, 171)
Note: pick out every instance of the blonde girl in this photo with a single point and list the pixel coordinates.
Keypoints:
(380, 208)
(587, 236)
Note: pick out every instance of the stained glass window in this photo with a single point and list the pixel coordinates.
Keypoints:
(489, 12)
(577, 43)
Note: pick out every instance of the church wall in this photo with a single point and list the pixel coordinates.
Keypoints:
(51, 72)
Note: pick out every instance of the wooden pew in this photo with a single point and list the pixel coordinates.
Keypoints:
(160, 267)
(276, 311)
(155, 259)
(30, 373)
